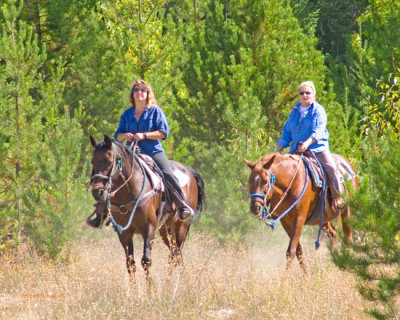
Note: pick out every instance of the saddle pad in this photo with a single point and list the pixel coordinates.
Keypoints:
(156, 180)
(314, 172)
(344, 169)
(183, 179)
(311, 165)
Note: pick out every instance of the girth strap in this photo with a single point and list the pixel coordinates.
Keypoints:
(125, 208)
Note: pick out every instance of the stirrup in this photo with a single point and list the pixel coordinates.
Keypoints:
(186, 214)
(339, 204)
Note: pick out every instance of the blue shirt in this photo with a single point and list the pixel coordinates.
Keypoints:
(152, 119)
(298, 129)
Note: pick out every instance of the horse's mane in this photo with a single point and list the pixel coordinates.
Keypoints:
(268, 159)
(126, 149)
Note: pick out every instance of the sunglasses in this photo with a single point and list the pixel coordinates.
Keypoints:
(302, 93)
(139, 90)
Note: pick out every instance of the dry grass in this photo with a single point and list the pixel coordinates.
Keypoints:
(217, 282)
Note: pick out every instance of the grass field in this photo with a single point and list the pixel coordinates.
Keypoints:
(230, 281)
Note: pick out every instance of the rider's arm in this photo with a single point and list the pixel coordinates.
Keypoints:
(279, 149)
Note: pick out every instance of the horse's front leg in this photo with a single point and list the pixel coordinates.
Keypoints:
(294, 229)
(290, 252)
(127, 244)
(148, 237)
(300, 257)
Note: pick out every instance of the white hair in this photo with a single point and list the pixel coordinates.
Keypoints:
(309, 84)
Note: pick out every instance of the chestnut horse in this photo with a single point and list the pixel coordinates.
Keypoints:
(134, 206)
(279, 186)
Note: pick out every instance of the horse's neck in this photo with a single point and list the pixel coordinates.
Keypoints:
(132, 178)
(286, 169)
(136, 181)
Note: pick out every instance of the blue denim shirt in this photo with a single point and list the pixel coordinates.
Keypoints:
(152, 119)
(313, 125)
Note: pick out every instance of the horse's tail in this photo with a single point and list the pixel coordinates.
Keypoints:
(200, 194)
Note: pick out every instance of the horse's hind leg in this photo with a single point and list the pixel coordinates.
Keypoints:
(181, 230)
(346, 227)
(167, 238)
(330, 230)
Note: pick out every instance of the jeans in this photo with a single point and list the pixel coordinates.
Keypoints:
(165, 166)
(327, 162)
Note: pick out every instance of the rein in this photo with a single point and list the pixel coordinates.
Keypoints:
(117, 164)
(266, 203)
(126, 181)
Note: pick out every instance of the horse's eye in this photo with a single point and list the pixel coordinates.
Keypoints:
(109, 162)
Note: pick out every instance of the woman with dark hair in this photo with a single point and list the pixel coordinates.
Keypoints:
(146, 123)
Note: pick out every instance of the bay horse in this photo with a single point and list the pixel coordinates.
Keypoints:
(120, 181)
(280, 190)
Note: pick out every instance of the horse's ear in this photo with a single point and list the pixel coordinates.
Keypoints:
(269, 162)
(93, 141)
(249, 163)
(108, 141)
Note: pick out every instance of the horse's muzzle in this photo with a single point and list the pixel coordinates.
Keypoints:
(100, 194)
(256, 208)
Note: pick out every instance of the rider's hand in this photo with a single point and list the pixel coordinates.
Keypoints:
(129, 136)
(302, 147)
(139, 136)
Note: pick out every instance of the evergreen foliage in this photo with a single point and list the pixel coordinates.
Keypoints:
(21, 112)
(58, 201)
(226, 74)
(31, 94)
(241, 72)
(375, 253)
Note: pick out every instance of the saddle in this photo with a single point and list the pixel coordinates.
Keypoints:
(317, 178)
(315, 171)
(156, 176)
(158, 185)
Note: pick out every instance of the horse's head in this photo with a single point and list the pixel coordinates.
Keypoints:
(104, 165)
(260, 184)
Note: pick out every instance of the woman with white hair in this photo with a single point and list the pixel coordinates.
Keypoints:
(306, 129)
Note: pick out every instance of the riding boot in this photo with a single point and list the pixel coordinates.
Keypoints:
(185, 212)
(100, 212)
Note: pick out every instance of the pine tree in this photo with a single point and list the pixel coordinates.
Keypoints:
(21, 78)
(31, 95)
(371, 54)
(59, 201)
(374, 255)
(243, 65)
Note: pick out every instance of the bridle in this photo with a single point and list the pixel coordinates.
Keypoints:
(262, 197)
(265, 202)
(117, 165)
